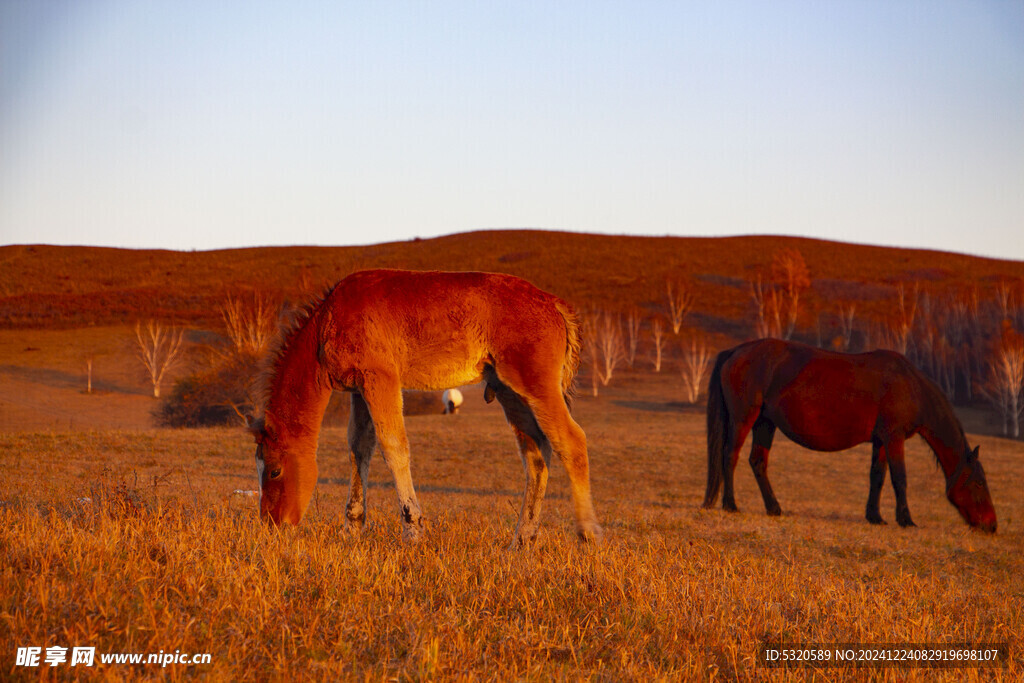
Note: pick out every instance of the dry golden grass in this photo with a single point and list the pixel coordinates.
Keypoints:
(164, 556)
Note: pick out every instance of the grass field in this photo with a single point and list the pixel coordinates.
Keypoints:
(135, 541)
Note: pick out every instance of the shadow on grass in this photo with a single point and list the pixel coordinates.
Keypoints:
(58, 379)
(662, 406)
(427, 488)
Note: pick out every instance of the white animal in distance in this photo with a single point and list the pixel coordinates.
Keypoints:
(452, 399)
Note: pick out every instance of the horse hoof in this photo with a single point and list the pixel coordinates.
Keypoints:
(412, 534)
(355, 527)
(592, 535)
(877, 520)
(903, 518)
(774, 511)
(523, 542)
(524, 538)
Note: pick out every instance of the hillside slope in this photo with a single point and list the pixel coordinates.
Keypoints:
(48, 286)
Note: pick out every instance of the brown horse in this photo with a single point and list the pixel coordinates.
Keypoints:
(829, 401)
(379, 331)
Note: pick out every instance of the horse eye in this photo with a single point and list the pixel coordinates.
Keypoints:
(275, 473)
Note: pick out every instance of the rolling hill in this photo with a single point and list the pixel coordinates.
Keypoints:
(66, 287)
(61, 307)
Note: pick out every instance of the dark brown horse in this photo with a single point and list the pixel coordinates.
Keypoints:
(829, 401)
(379, 331)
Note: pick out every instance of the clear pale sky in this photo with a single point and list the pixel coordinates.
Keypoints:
(218, 124)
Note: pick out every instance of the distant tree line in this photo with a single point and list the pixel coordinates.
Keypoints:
(969, 344)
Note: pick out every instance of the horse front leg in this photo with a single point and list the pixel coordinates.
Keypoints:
(898, 475)
(878, 459)
(362, 440)
(764, 434)
(535, 450)
(383, 396)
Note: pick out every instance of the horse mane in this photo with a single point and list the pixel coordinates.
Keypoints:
(293, 321)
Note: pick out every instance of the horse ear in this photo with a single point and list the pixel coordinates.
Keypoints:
(256, 425)
(973, 455)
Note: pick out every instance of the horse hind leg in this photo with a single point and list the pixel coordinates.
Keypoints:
(362, 440)
(570, 443)
(535, 451)
(734, 443)
(764, 434)
(547, 406)
(535, 463)
(383, 396)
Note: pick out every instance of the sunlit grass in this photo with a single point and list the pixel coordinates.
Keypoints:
(137, 542)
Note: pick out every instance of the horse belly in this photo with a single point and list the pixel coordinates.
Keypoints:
(828, 423)
(443, 369)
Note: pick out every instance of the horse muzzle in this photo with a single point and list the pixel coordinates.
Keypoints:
(988, 525)
(278, 517)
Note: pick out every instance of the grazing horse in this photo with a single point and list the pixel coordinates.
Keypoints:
(379, 331)
(830, 401)
(452, 399)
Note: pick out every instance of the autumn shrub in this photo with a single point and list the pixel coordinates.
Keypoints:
(224, 391)
(219, 394)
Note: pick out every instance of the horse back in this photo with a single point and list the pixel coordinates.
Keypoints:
(440, 329)
(822, 399)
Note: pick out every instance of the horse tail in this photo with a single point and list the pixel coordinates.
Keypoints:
(573, 344)
(718, 430)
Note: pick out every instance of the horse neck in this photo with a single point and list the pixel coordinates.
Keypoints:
(941, 429)
(299, 389)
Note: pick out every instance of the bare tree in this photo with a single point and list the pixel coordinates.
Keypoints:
(696, 365)
(658, 336)
(158, 350)
(896, 334)
(942, 343)
(972, 360)
(613, 350)
(680, 301)
(91, 350)
(847, 311)
(250, 326)
(1010, 299)
(944, 367)
(632, 335)
(589, 319)
(1004, 298)
(791, 277)
(769, 308)
(1005, 388)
